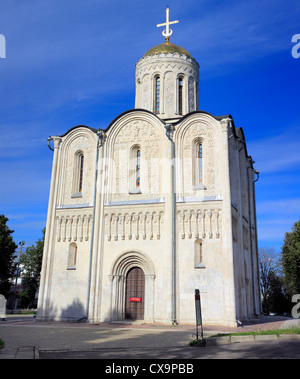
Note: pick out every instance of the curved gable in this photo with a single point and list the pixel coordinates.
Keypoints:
(198, 131)
(78, 141)
(134, 131)
(138, 117)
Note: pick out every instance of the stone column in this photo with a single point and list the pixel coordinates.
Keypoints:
(97, 237)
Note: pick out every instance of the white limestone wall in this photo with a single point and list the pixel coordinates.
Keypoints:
(69, 285)
(209, 279)
(243, 224)
(63, 291)
(134, 228)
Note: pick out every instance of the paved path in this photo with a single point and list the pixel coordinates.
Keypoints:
(28, 339)
(285, 349)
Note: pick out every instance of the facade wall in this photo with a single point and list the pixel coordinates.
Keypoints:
(63, 287)
(244, 231)
(136, 226)
(96, 233)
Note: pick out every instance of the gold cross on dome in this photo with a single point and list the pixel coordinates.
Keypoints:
(167, 32)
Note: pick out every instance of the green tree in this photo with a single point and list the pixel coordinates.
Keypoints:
(290, 259)
(7, 251)
(31, 262)
(277, 299)
(268, 267)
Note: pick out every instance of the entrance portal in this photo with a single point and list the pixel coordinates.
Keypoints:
(135, 294)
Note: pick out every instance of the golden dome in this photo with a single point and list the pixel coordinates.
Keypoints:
(167, 47)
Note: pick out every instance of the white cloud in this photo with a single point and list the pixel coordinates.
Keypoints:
(18, 140)
(278, 153)
(275, 218)
(242, 31)
(283, 207)
(271, 232)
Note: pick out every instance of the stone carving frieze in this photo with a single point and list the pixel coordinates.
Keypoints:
(129, 225)
(73, 228)
(199, 223)
(136, 132)
(173, 62)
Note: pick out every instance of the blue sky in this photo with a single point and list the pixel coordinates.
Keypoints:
(73, 62)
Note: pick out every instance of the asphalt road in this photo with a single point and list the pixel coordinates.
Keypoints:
(26, 339)
(289, 349)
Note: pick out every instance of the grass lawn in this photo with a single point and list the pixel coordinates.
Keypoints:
(262, 332)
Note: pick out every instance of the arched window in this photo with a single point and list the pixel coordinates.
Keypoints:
(72, 256)
(198, 254)
(157, 95)
(81, 162)
(78, 174)
(198, 164)
(135, 170)
(180, 91)
(138, 168)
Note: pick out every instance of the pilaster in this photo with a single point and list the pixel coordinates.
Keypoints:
(44, 290)
(229, 285)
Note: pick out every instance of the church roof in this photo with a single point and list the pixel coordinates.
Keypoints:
(167, 47)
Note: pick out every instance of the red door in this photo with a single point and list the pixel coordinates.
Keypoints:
(135, 294)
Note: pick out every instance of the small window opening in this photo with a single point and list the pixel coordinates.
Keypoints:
(135, 170)
(198, 257)
(138, 168)
(81, 162)
(200, 252)
(180, 88)
(200, 163)
(157, 94)
(72, 256)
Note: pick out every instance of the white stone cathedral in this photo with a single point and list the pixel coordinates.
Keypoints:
(158, 204)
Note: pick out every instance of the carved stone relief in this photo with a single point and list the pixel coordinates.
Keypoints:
(191, 91)
(169, 84)
(147, 137)
(199, 223)
(73, 228)
(146, 92)
(85, 144)
(133, 225)
(205, 134)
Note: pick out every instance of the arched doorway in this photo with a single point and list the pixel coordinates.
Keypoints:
(118, 275)
(135, 294)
